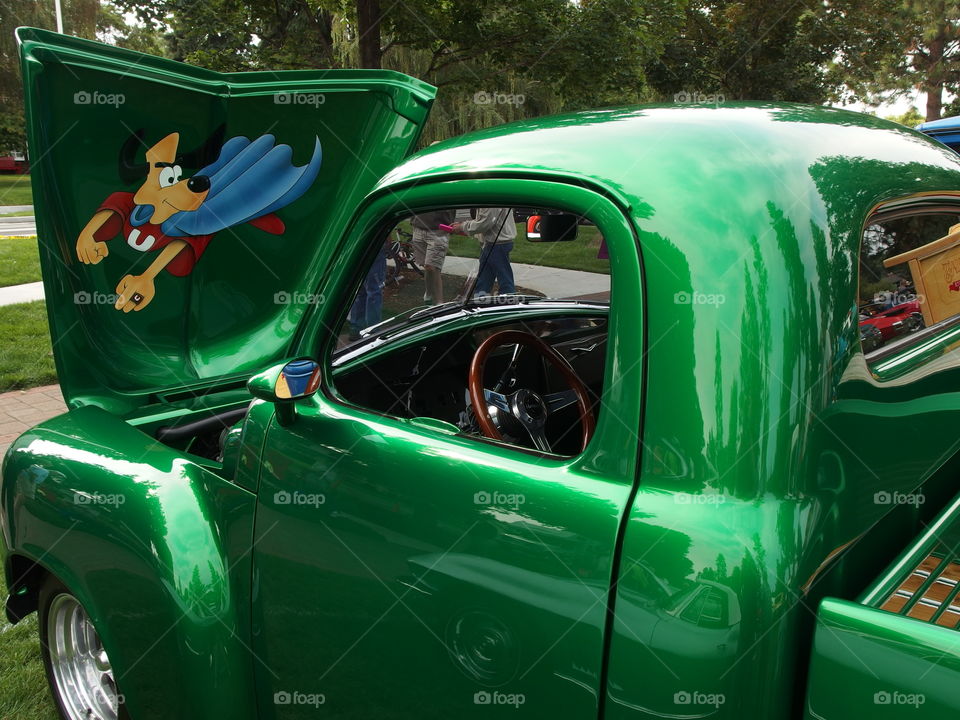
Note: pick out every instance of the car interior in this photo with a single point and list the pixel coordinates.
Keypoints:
(527, 369)
(431, 379)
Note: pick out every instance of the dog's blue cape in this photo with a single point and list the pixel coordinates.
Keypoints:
(247, 181)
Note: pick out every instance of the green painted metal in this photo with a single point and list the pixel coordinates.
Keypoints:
(875, 664)
(673, 569)
(765, 432)
(154, 546)
(483, 568)
(235, 312)
(897, 666)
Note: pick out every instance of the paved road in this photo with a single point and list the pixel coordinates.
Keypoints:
(24, 225)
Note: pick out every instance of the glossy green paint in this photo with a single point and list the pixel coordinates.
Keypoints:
(453, 566)
(156, 547)
(761, 454)
(733, 363)
(223, 321)
(865, 659)
(875, 664)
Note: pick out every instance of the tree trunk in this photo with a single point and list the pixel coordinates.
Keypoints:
(934, 76)
(368, 29)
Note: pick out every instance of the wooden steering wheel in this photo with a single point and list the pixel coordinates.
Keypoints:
(529, 408)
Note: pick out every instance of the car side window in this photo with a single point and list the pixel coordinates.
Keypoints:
(490, 320)
(909, 285)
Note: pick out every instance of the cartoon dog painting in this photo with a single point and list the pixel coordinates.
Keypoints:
(176, 217)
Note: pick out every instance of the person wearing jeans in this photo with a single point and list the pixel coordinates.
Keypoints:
(496, 231)
(368, 305)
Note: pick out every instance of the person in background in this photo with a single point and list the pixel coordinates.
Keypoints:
(430, 245)
(368, 305)
(496, 231)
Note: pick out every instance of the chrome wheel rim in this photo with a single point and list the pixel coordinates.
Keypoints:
(81, 669)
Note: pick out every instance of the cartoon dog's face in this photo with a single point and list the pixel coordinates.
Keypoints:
(164, 187)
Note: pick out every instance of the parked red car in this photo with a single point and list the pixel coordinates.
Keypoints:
(892, 322)
(14, 164)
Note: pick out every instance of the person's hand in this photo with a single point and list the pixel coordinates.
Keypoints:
(89, 250)
(458, 228)
(135, 292)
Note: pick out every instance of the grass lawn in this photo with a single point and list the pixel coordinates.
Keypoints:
(579, 254)
(15, 190)
(21, 213)
(26, 356)
(23, 685)
(19, 261)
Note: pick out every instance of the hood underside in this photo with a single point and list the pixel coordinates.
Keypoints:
(186, 216)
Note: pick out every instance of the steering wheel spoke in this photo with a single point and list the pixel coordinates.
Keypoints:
(538, 435)
(559, 400)
(525, 406)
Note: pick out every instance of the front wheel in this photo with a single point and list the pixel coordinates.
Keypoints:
(79, 672)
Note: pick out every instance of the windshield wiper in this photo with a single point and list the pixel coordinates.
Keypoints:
(425, 312)
(414, 313)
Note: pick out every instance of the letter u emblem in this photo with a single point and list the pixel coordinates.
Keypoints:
(134, 241)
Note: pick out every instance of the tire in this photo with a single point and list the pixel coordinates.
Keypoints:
(81, 681)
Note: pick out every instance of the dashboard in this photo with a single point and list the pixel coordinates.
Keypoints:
(428, 377)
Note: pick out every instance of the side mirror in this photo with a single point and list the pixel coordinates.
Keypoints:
(558, 228)
(283, 384)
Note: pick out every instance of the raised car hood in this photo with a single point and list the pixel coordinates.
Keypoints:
(237, 253)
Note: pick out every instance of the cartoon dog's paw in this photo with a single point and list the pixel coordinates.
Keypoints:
(89, 250)
(134, 292)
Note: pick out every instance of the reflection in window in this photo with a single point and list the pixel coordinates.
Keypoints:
(476, 256)
(489, 322)
(909, 280)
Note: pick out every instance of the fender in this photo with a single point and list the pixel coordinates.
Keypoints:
(153, 545)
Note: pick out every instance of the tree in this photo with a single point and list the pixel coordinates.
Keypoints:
(84, 18)
(747, 50)
(911, 118)
(540, 55)
(79, 18)
(899, 46)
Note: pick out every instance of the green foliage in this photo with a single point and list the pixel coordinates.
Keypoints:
(532, 57)
(747, 50)
(894, 47)
(83, 18)
(527, 57)
(911, 118)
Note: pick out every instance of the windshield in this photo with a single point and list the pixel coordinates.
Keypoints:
(444, 260)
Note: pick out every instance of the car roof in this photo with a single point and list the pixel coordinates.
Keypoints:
(617, 148)
(949, 123)
(687, 173)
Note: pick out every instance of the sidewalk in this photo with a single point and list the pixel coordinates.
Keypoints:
(551, 281)
(22, 409)
(21, 293)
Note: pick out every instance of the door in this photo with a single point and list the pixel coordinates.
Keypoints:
(404, 569)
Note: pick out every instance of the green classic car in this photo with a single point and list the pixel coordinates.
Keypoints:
(343, 442)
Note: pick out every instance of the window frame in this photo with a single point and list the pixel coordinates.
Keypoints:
(910, 352)
(621, 394)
